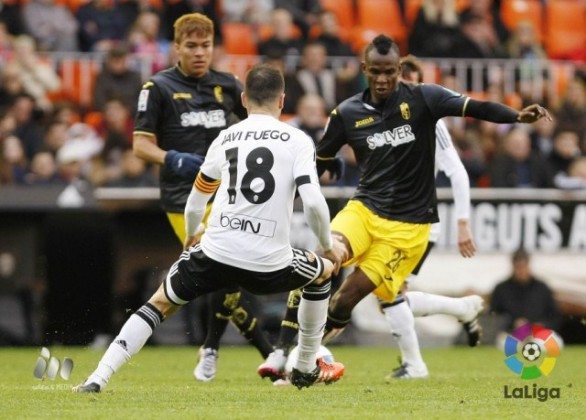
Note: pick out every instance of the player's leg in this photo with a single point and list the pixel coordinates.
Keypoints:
(466, 309)
(387, 264)
(312, 314)
(354, 288)
(132, 337)
(402, 326)
(228, 304)
(274, 364)
(221, 307)
(177, 289)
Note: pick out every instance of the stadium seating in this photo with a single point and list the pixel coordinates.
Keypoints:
(565, 28)
(343, 9)
(239, 38)
(514, 11)
(78, 77)
(379, 16)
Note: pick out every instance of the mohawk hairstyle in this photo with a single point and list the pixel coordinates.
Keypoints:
(383, 44)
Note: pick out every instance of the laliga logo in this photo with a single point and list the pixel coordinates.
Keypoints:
(49, 366)
(531, 352)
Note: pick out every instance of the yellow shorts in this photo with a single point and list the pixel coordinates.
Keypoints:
(177, 221)
(385, 250)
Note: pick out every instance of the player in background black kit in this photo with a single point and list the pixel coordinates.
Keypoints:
(180, 111)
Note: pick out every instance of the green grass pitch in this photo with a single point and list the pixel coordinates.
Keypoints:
(158, 383)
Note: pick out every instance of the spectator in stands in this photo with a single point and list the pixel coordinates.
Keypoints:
(38, 77)
(74, 158)
(132, 8)
(11, 15)
(576, 174)
(304, 12)
(476, 39)
(330, 38)
(27, 127)
(311, 116)
(66, 112)
(116, 131)
(13, 161)
(43, 170)
(517, 166)
(283, 39)
(566, 149)
(572, 112)
(10, 84)
(134, 173)
(523, 298)
(55, 136)
(5, 42)
(531, 72)
(101, 25)
(117, 80)
(293, 89)
(253, 12)
(143, 39)
(542, 136)
(52, 25)
(435, 29)
(488, 136)
(489, 12)
(316, 77)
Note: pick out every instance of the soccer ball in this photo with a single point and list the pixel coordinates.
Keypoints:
(323, 352)
(531, 351)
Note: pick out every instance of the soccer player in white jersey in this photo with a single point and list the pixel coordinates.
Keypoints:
(255, 168)
(401, 312)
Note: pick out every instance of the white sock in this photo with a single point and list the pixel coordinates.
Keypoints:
(424, 304)
(132, 337)
(402, 325)
(312, 320)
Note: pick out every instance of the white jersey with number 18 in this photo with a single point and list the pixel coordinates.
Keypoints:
(259, 162)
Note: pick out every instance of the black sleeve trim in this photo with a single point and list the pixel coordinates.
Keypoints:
(303, 179)
(490, 111)
(208, 178)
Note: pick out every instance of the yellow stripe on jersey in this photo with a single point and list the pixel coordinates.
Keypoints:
(206, 187)
(464, 107)
(144, 133)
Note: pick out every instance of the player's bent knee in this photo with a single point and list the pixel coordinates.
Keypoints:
(327, 272)
(160, 301)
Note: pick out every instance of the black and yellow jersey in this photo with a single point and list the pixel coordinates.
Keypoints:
(186, 114)
(394, 144)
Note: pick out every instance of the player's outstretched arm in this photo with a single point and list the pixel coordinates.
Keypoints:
(501, 113)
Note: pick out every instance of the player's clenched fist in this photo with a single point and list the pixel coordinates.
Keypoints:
(185, 165)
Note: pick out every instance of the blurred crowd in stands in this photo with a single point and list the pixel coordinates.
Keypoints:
(47, 137)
